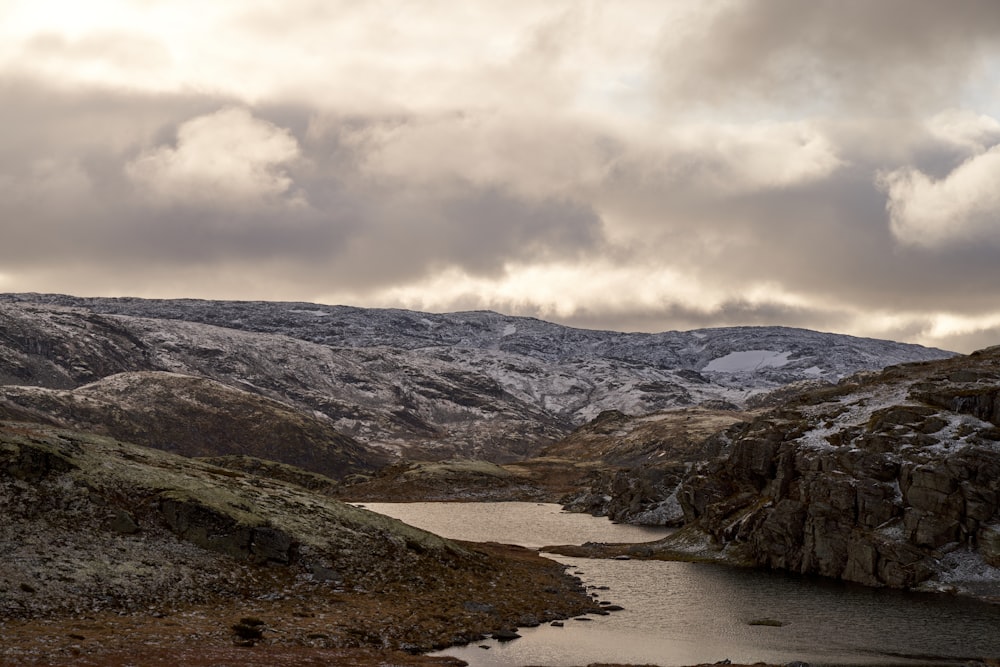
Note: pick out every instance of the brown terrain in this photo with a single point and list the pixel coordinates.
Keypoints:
(119, 554)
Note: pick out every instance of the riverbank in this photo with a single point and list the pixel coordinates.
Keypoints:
(301, 624)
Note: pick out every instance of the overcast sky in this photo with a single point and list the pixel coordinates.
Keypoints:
(639, 165)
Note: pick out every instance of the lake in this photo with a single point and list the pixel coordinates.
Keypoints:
(688, 613)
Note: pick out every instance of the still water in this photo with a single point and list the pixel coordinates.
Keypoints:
(684, 613)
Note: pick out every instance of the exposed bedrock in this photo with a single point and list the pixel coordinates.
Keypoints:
(890, 481)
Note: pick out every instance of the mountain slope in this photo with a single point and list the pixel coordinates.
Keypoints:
(429, 386)
(152, 554)
(195, 416)
(889, 479)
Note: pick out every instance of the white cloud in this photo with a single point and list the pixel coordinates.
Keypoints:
(960, 208)
(965, 129)
(226, 157)
(734, 159)
(562, 290)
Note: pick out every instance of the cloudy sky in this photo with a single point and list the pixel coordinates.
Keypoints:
(638, 165)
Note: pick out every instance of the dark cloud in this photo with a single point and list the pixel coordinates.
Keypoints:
(889, 56)
(76, 202)
(762, 184)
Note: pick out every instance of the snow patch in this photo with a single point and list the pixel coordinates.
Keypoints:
(509, 330)
(747, 360)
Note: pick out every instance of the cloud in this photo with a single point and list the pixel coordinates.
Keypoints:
(729, 159)
(643, 163)
(533, 156)
(892, 56)
(226, 156)
(961, 208)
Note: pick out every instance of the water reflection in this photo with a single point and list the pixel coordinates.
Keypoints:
(683, 613)
(531, 525)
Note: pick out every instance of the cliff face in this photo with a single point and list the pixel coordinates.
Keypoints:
(890, 479)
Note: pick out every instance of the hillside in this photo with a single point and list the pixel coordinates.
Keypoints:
(195, 416)
(115, 551)
(888, 479)
(421, 385)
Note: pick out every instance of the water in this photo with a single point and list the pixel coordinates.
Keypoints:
(531, 525)
(684, 613)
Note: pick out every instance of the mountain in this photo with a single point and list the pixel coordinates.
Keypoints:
(889, 478)
(422, 385)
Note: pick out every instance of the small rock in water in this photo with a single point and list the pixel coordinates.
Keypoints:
(505, 635)
(556, 624)
(622, 557)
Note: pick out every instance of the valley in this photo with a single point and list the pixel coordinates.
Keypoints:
(195, 457)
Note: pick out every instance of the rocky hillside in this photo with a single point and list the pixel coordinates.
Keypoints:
(889, 479)
(473, 384)
(114, 550)
(637, 463)
(195, 416)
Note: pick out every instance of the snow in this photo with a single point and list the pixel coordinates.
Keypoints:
(854, 410)
(813, 370)
(747, 360)
(351, 363)
(964, 570)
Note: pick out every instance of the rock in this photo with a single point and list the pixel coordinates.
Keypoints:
(248, 631)
(869, 482)
(989, 544)
(124, 523)
(321, 573)
(505, 635)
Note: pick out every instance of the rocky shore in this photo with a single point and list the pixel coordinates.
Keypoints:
(119, 554)
(888, 479)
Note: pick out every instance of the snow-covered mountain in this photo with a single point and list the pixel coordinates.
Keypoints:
(472, 383)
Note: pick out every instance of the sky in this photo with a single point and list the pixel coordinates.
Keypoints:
(635, 165)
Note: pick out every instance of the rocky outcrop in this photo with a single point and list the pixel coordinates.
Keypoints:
(640, 461)
(101, 537)
(889, 479)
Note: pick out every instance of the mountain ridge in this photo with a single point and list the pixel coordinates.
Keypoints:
(475, 384)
